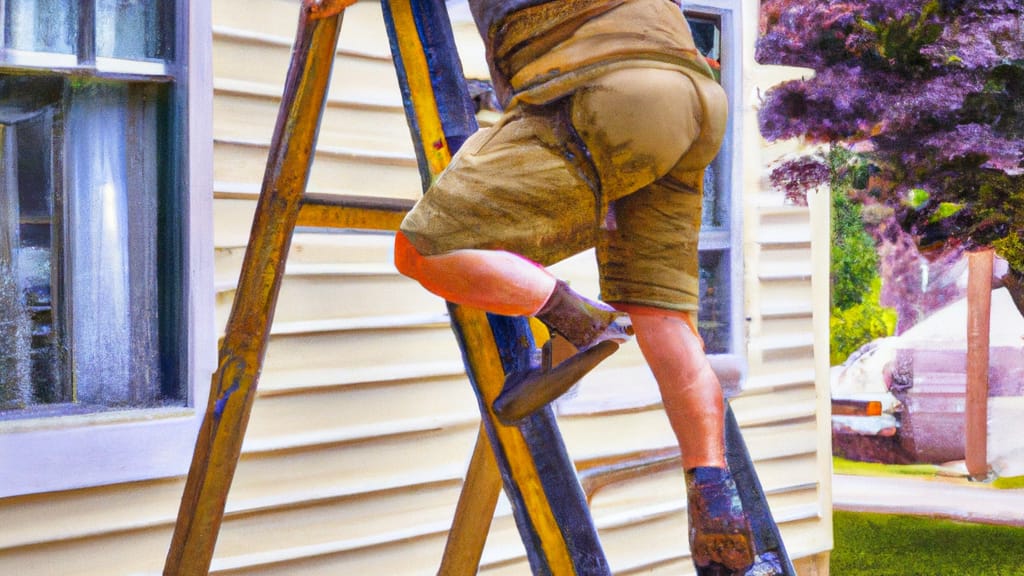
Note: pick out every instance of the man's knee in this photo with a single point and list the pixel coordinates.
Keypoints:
(408, 259)
(640, 312)
(646, 310)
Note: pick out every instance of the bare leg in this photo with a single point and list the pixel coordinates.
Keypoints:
(493, 280)
(504, 283)
(689, 388)
(692, 396)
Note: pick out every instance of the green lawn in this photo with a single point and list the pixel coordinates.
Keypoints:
(852, 467)
(892, 545)
(1009, 483)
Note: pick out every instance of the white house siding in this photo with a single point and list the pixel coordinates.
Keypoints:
(364, 421)
(362, 429)
(786, 409)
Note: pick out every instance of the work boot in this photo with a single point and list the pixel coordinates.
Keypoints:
(584, 332)
(720, 538)
(581, 321)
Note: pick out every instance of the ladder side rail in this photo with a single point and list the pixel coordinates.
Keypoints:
(539, 478)
(482, 486)
(767, 538)
(564, 497)
(243, 346)
(474, 512)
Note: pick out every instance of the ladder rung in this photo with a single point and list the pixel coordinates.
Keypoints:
(600, 472)
(359, 212)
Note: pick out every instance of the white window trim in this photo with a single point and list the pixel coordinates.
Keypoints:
(104, 66)
(130, 67)
(732, 21)
(39, 60)
(63, 453)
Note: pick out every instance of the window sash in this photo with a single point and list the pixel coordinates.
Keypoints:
(96, 236)
(102, 36)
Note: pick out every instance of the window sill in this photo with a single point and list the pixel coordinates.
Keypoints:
(79, 451)
(61, 416)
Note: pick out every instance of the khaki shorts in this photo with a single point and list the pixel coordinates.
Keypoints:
(617, 165)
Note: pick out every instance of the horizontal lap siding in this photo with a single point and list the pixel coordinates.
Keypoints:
(783, 347)
(248, 115)
(239, 165)
(785, 408)
(360, 435)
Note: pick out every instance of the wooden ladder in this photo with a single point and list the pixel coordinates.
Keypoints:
(529, 460)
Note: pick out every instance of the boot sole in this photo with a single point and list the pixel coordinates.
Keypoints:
(525, 393)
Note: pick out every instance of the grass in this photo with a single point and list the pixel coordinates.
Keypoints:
(852, 467)
(1009, 483)
(891, 545)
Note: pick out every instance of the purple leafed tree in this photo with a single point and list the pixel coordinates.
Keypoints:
(931, 94)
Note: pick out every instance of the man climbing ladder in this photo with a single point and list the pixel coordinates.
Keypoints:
(611, 116)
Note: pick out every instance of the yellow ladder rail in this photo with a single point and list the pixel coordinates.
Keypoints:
(241, 350)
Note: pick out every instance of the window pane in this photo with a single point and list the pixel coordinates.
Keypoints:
(714, 215)
(30, 344)
(111, 140)
(84, 167)
(714, 318)
(38, 230)
(706, 35)
(134, 29)
(41, 25)
(15, 383)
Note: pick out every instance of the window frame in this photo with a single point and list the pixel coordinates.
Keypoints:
(58, 453)
(729, 14)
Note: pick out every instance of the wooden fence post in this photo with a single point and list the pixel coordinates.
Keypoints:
(979, 313)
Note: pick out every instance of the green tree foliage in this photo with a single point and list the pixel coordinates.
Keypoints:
(930, 91)
(854, 260)
(857, 315)
(859, 324)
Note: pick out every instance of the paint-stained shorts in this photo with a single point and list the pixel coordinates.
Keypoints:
(617, 164)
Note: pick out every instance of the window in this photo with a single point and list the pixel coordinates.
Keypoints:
(91, 278)
(136, 30)
(720, 315)
(106, 313)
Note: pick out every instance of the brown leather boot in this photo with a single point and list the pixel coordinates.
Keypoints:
(581, 321)
(720, 539)
(590, 330)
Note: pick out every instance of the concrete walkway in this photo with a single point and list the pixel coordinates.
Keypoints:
(955, 499)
